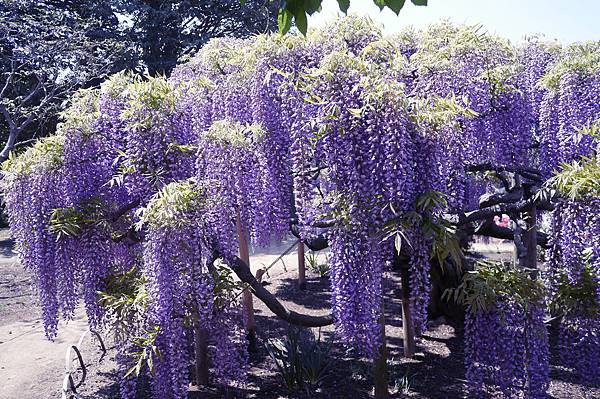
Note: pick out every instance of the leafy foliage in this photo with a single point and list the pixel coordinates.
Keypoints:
(298, 10)
(428, 218)
(580, 58)
(72, 221)
(318, 267)
(172, 206)
(577, 298)
(580, 179)
(491, 282)
(126, 300)
(45, 156)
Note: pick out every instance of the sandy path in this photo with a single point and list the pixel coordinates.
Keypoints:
(29, 363)
(33, 367)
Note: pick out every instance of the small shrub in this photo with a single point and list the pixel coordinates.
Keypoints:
(302, 359)
(322, 269)
(404, 384)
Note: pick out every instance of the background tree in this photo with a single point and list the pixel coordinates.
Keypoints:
(46, 53)
(164, 31)
(49, 49)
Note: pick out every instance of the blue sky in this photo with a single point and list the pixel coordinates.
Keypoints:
(565, 20)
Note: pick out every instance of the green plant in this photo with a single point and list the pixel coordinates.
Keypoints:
(149, 351)
(302, 359)
(576, 298)
(492, 281)
(427, 215)
(320, 268)
(404, 384)
(125, 299)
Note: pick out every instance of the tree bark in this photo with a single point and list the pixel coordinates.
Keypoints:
(301, 266)
(529, 238)
(241, 269)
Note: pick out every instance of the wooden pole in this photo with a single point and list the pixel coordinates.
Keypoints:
(530, 242)
(408, 328)
(380, 369)
(247, 302)
(301, 266)
(201, 343)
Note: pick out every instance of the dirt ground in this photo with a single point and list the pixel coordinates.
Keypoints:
(33, 367)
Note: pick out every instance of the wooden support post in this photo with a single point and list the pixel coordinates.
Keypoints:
(530, 242)
(380, 369)
(247, 301)
(301, 266)
(408, 328)
(201, 343)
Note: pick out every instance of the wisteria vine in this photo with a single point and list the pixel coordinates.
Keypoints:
(343, 133)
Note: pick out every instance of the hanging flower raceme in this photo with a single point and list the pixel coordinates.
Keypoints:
(353, 158)
(32, 189)
(158, 141)
(67, 178)
(83, 224)
(506, 342)
(536, 57)
(180, 226)
(573, 279)
(231, 158)
(570, 104)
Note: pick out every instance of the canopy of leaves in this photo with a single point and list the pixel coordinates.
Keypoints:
(172, 205)
(45, 156)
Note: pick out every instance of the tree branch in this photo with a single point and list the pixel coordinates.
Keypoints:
(491, 229)
(241, 269)
(485, 213)
(314, 243)
(124, 209)
(491, 199)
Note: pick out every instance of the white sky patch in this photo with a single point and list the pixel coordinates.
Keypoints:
(566, 21)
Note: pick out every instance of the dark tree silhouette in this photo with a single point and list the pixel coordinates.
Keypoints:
(50, 48)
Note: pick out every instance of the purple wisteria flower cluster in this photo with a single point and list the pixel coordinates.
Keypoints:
(506, 341)
(573, 278)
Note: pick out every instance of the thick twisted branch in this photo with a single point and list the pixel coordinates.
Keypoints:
(241, 269)
(491, 229)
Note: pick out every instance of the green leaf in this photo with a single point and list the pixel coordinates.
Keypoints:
(344, 4)
(419, 2)
(395, 5)
(398, 243)
(379, 3)
(284, 20)
(311, 6)
(356, 112)
(301, 20)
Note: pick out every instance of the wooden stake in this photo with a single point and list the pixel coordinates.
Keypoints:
(408, 328)
(380, 369)
(247, 302)
(301, 266)
(201, 343)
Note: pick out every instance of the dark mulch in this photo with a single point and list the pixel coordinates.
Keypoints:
(436, 372)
